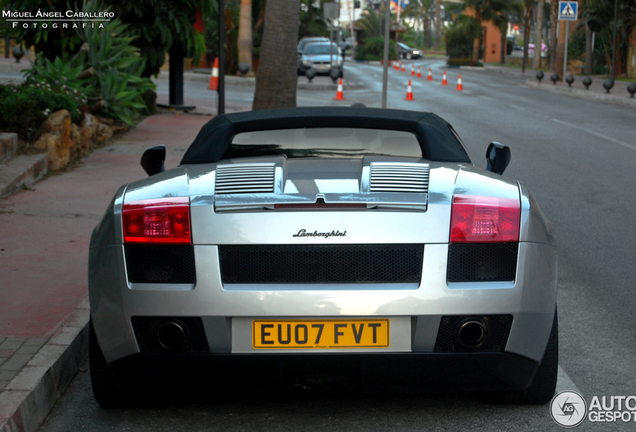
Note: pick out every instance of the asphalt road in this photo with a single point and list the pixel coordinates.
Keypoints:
(578, 157)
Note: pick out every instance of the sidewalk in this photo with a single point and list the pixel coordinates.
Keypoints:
(618, 95)
(44, 239)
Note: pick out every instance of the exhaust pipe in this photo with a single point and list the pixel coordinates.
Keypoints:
(171, 335)
(472, 334)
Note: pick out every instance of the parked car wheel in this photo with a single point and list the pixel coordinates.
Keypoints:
(543, 385)
(105, 388)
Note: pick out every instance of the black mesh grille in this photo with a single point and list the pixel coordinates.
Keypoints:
(321, 264)
(498, 328)
(488, 262)
(146, 332)
(160, 263)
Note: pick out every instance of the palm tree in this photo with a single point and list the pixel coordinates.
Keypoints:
(421, 10)
(276, 79)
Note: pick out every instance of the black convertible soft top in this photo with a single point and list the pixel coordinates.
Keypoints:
(434, 134)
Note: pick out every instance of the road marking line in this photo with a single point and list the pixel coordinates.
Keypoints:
(517, 107)
(595, 134)
(564, 382)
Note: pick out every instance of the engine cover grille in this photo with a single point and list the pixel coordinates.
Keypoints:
(482, 262)
(287, 264)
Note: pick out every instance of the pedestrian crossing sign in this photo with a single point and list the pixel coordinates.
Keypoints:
(568, 10)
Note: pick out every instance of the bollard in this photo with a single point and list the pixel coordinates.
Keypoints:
(334, 74)
(608, 84)
(540, 76)
(243, 68)
(569, 79)
(631, 88)
(587, 82)
(310, 73)
(554, 78)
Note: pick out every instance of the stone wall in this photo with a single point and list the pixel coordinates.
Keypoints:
(65, 141)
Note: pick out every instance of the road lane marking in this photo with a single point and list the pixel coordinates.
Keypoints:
(517, 107)
(600, 135)
(564, 382)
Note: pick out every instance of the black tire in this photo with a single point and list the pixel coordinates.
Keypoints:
(543, 385)
(105, 389)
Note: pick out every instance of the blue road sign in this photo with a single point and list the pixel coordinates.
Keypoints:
(568, 10)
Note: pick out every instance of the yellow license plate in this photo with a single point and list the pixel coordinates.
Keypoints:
(320, 334)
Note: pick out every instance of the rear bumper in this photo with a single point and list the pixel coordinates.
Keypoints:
(412, 371)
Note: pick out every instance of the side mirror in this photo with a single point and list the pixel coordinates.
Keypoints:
(497, 157)
(152, 160)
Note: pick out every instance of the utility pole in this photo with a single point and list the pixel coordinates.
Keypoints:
(221, 88)
(385, 71)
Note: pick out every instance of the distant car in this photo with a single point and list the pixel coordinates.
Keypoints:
(406, 52)
(307, 40)
(324, 246)
(347, 44)
(319, 56)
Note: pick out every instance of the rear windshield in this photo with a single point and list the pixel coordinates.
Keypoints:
(325, 142)
(320, 49)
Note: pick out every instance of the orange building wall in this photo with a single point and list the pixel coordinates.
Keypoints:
(492, 40)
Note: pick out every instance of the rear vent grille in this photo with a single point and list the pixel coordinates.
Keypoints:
(244, 179)
(399, 177)
(288, 264)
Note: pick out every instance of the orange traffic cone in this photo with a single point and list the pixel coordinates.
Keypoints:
(430, 75)
(339, 95)
(214, 79)
(409, 92)
(459, 83)
(412, 69)
(444, 82)
(419, 72)
(403, 68)
(396, 65)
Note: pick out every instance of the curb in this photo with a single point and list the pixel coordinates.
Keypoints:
(21, 172)
(29, 397)
(585, 94)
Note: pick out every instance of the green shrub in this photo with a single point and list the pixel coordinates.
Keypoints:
(373, 49)
(460, 36)
(28, 106)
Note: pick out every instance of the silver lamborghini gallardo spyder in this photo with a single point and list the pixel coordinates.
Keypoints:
(324, 246)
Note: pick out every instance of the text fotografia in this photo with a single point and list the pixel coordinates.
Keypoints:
(70, 19)
(304, 233)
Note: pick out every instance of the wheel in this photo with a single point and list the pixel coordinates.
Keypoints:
(543, 385)
(105, 389)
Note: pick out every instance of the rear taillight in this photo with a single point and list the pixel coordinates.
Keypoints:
(477, 219)
(164, 220)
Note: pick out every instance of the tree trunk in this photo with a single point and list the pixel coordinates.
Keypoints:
(245, 34)
(504, 46)
(554, 26)
(538, 42)
(277, 78)
(631, 54)
(526, 37)
(589, 55)
(438, 24)
(477, 41)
